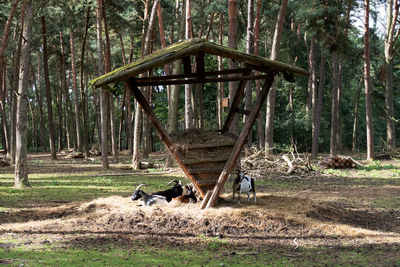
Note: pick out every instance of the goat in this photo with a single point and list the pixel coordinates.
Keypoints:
(175, 191)
(148, 199)
(243, 184)
(189, 197)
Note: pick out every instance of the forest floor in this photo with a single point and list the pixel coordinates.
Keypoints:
(78, 214)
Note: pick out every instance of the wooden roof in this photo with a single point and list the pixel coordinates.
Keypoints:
(189, 47)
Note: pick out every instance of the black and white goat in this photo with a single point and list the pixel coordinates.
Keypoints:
(148, 199)
(174, 191)
(189, 197)
(243, 184)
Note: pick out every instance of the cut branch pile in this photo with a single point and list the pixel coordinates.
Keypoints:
(264, 165)
(339, 162)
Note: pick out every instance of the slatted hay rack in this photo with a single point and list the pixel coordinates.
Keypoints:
(206, 164)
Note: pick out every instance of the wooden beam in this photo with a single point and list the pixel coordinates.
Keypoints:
(230, 164)
(160, 129)
(205, 199)
(199, 80)
(235, 104)
(200, 66)
(187, 65)
(191, 75)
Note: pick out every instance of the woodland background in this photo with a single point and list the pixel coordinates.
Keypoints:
(50, 50)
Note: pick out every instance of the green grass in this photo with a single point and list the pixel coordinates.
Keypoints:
(50, 255)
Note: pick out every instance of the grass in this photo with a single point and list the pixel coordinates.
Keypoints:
(50, 255)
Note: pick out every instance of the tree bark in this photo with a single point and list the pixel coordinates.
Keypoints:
(355, 122)
(367, 84)
(21, 159)
(189, 116)
(269, 123)
(389, 43)
(249, 49)
(318, 109)
(39, 100)
(335, 105)
(76, 94)
(48, 92)
(83, 92)
(232, 43)
(260, 126)
(3, 47)
(103, 96)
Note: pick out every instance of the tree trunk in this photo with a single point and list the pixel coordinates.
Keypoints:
(367, 84)
(76, 94)
(39, 100)
(257, 25)
(389, 43)
(65, 89)
(103, 95)
(83, 93)
(355, 122)
(269, 123)
(188, 89)
(318, 109)
(48, 92)
(232, 43)
(249, 49)
(3, 47)
(21, 157)
(312, 83)
(335, 105)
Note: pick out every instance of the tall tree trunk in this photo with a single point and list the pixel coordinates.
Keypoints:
(103, 94)
(269, 123)
(312, 82)
(355, 122)
(83, 93)
(173, 99)
(21, 157)
(257, 25)
(220, 89)
(188, 89)
(335, 105)
(367, 84)
(64, 89)
(76, 94)
(249, 49)
(110, 97)
(3, 47)
(48, 92)
(389, 43)
(39, 100)
(14, 88)
(318, 109)
(232, 43)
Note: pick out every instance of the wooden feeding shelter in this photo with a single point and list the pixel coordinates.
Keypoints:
(210, 173)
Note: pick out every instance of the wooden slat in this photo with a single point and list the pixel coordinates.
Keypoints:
(193, 171)
(199, 80)
(235, 104)
(230, 164)
(205, 160)
(201, 146)
(160, 129)
(206, 182)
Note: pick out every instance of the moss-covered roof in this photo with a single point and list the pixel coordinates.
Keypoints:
(186, 48)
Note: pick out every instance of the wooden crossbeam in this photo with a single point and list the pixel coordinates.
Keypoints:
(230, 164)
(160, 129)
(191, 75)
(205, 80)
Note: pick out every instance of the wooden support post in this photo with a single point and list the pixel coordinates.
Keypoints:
(235, 104)
(187, 66)
(230, 164)
(205, 199)
(200, 66)
(160, 129)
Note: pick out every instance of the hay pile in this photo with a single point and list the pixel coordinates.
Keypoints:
(196, 136)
